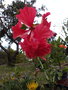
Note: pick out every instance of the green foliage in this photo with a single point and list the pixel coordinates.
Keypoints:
(65, 69)
(58, 53)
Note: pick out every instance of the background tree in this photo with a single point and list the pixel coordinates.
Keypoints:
(7, 20)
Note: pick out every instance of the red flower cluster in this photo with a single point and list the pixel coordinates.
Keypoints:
(35, 36)
(62, 46)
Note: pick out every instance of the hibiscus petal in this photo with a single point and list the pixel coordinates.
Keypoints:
(29, 46)
(17, 31)
(35, 48)
(27, 15)
(42, 32)
(45, 15)
(44, 19)
(43, 49)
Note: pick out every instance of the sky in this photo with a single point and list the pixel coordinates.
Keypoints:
(58, 10)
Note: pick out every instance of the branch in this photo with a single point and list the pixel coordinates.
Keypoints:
(11, 38)
(16, 53)
(3, 17)
(3, 48)
(5, 29)
(24, 1)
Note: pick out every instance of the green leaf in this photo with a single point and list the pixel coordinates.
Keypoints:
(65, 69)
(24, 27)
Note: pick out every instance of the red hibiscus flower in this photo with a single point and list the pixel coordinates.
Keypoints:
(35, 42)
(27, 16)
(35, 48)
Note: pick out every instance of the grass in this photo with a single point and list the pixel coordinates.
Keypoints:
(6, 71)
(21, 69)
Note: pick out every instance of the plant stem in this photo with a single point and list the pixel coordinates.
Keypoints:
(40, 63)
(59, 64)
